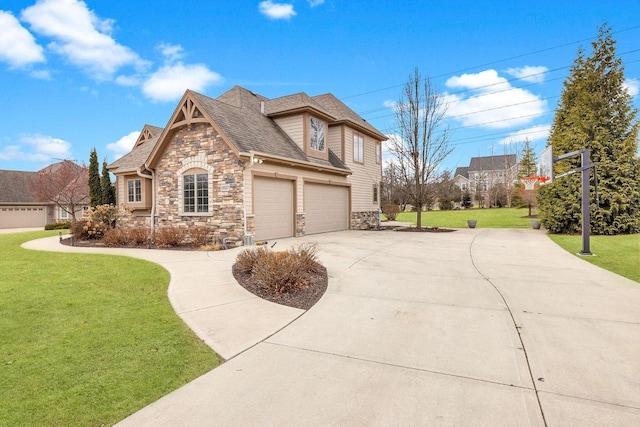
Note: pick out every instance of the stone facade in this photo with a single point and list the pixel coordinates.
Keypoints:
(198, 148)
(300, 224)
(365, 220)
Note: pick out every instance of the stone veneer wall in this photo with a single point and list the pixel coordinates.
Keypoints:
(365, 220)
(300, 224)
(199, 146)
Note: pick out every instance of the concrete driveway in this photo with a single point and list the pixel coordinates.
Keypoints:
(474, 327)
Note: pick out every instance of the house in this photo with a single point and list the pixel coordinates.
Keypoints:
(22, 206)
(485, 175)
(254, 168)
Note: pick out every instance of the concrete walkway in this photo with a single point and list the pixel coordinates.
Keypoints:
(474, 327)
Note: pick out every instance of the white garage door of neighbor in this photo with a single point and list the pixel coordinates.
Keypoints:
(20, 216)
(326, 208)
(273, 207)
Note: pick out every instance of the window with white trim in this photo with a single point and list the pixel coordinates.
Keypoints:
(378, 152)
(316, 134)
(375, 193)
(195, 193)
(358, 148)
(134, 190)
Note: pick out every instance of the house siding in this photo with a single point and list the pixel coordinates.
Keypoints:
(200, 146)
(294, 127)
(334, 141)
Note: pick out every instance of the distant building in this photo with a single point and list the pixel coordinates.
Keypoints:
(486, 175)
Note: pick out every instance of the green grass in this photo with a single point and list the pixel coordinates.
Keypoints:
(487, 218)
(87, 339)
(620, 254)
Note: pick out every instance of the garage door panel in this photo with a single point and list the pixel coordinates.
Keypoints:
(326, 208)
(20, 216)
(273, 208)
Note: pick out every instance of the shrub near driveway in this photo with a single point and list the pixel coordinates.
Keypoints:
(87, 339)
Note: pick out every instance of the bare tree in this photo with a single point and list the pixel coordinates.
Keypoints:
(423, 142)
(64, 184)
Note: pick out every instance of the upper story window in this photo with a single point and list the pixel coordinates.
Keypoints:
(378, 152)
(358, 148)
(134, 190)
(317, 134)
(195, 193)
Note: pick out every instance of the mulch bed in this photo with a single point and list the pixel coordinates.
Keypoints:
(425, 229)
(304, 298)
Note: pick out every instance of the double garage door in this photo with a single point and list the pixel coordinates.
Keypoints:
(326, 208)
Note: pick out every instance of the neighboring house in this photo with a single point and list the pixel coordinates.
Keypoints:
(255, 168)
(487, 173)
(19, 205)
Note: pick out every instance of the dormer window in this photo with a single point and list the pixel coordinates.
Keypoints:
(317, 134)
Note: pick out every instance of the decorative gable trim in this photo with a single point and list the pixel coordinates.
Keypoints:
(189, 111)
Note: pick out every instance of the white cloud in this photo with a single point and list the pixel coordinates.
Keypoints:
(170, 81)
(528, 73)
(632, 86)
(276, 10)
(80, 36)
(131, 81)
(123, 145)
(37, 148)
(18, 47)
(41, 74)
(314, 3)
(493, 103)
(390, 104)
(171, 52)
(533, 133)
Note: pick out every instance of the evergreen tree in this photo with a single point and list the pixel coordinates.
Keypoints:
(528, 164)
(595, 112)
(95, 187)
(108, 190)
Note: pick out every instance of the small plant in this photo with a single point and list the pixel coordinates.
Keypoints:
(88, 229)
(391, 211)
(139, 235)
(170, 236)
(248, 258)
(58, 226)
(199, 235)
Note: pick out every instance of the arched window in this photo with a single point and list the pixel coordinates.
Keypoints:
(195, 187)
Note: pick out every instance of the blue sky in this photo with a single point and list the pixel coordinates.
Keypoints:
(76, 75)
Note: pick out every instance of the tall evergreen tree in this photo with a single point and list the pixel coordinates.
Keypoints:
(108, 190)
(95, 187)
(595, 112)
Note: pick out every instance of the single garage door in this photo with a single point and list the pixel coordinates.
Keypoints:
(20, 216)
(326, 208)
(273, 207)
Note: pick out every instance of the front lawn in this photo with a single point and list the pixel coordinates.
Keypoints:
(487, 218)
(87, 339)
(620, 254)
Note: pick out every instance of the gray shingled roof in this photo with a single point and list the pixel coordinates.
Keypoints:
(134, 159)
(293, 102)
(488, 163)
(240, 119)
(15, 187)
(343, 113)
(463, 171)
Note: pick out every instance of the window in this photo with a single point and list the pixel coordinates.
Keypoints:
(378, 153)
(63, 213)
(196, 193)
(317, 134)
(134, 190)
(375, 193)
(358, 148)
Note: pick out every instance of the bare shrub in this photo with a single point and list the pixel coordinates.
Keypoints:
(280, 272)
(391, 211)
(199, 235)
(167, 237)
(117, 237)
(248, 258)
(139, 235)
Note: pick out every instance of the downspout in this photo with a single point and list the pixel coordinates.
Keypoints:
(153, 195)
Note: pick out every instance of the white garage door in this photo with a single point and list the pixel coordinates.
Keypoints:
(326, 208)
(273, 207)
(20, 216)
